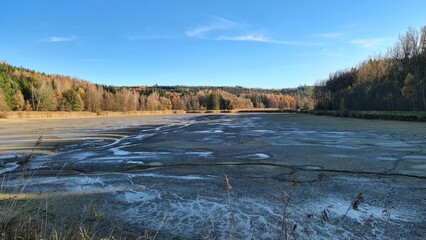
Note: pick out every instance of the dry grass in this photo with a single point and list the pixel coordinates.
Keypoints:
(58, 114)
(36, 216)
(227, 186)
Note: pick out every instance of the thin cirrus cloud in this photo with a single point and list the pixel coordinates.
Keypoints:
(249, 37)
(224, 30)
(257, 38)
(371, 42)
(220, 24)
(61, 39)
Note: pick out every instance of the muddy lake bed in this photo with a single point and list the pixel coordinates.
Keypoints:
(165, 174)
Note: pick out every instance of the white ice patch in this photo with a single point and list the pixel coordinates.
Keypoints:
(164, 127)
(302, 132)
(201, 154)
(341, 133)
(387, 158)
(256, 156)
(151, 154)
(71, 184)
(118, 152)
(83, 155)
(392, 144)
(9, 167)
(115, 142)
(339, 207)
(249, 217)
(312, 167)
(135, 162)
(7, 156)
(417, 157)
(419, 167)
(209, 131)
(187, 177)
(262, 155)
(341, 156)
(187, 124)
(123, 155)
(264, 131)
(143, 136)
(343, 146)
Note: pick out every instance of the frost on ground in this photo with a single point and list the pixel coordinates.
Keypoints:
(170, 178)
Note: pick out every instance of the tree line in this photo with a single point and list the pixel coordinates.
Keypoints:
(27, 90)
(393, 82)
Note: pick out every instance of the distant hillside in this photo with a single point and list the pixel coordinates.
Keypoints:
(23, 89)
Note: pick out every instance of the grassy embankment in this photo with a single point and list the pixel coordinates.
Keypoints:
(384, 115)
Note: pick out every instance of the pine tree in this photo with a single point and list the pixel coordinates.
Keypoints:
(213, 101)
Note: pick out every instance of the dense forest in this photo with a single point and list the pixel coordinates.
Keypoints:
(394, 82)
(27, 90)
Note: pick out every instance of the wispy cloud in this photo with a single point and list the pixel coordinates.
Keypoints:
(217, 25)
(226, 30)
(260, 38)
(371, 42)
(333, 35)
(62, 39)
(248, 38)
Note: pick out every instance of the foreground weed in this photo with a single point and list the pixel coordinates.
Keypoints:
(286, 198)
(97, 215)
(227, 186)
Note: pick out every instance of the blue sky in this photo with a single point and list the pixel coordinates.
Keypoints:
(265, 43)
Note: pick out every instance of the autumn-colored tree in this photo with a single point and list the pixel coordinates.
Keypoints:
(19, 101)
(242, 103)
(27, 106)
(272, 101)
(44, 92)
(127, 100)
(153, 102)
(3, 104)
(109, 103)
(82, 93)
(165, 103)
(93, 98)
(143, 103)
(43, 98)
(192, 102)
(178, 102)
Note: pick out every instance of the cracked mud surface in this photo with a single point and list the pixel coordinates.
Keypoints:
(167, 173)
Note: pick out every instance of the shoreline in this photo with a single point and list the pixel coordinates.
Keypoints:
(372, 115)
(85, 114)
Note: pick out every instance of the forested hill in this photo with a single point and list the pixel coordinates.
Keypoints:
(27, 90)
(395, 82)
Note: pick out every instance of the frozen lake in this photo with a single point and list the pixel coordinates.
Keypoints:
(167, 173)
